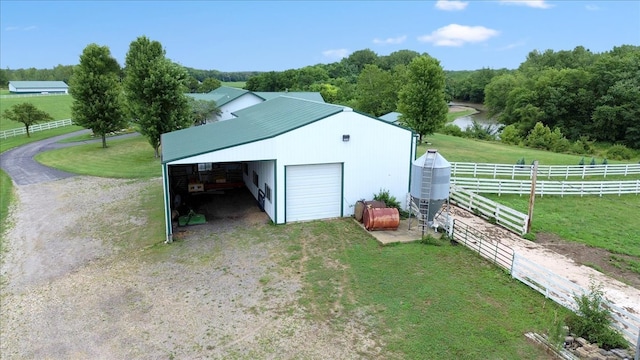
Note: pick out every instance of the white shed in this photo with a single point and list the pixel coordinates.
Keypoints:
(308, 160)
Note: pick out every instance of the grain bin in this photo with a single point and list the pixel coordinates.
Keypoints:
(430, 177)
(381, 218)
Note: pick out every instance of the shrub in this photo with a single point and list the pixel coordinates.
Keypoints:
(390, 201)
(583, 146)
(453, 130)
(510, 135)
(619, 152)
(559, 142)
(539, 137)
(592, 321)
(481, 132)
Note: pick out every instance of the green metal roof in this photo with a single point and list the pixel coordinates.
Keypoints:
(226, 94)
(392, 117)
(307, 95)
(221, 95)
(258, 122)
(38, 84)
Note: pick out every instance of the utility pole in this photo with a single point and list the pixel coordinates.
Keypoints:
(532, 196)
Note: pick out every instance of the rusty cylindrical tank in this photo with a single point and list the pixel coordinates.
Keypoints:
(381, 218)
(361, 204)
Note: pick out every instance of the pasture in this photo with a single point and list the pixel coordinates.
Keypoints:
(58, 106)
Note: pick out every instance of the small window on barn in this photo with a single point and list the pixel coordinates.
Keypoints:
(204, 167)
(267, 192)
(245, 168)
(255, 179)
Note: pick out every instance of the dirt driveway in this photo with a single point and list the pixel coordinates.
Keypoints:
(77, 284)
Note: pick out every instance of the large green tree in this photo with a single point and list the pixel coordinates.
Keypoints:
(154, 90)
(96, 90)
(421, 100)
(26, 113)
(208, 85)
(376, 93)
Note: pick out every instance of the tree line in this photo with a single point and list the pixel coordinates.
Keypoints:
(576, 93)
(197, 80)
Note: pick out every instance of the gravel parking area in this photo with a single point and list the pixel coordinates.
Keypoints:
(76, 284)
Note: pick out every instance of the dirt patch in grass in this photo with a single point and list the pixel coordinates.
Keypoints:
(614, 265)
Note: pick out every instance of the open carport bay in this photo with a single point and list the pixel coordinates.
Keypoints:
(221, 206)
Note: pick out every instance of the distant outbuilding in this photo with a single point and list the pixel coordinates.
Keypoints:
(230, 99)
(38, 87)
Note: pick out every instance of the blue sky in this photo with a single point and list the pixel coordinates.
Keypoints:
(280, 35)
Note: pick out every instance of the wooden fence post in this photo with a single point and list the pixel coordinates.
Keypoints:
(532, 196)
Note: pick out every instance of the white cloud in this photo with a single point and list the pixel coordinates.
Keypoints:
(592, 7)
(390, 41)
(335, 53)
(29, 28)
(11, 28)
(538, 4)
(451, 5)
(458, 35)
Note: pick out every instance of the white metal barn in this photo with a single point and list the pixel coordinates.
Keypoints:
(38, 87)
(230, 99)
(309, 160)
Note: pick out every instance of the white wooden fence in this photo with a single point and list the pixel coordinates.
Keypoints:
(36, 127)
(547, 187)
(505, 216)
(548, 171)
(551, 285)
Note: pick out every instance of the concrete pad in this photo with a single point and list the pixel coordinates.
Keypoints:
(402, 235)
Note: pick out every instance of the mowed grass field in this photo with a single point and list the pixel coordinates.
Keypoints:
(58, 106)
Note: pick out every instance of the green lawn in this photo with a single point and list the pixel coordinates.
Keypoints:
(608, 222)
(236, 84)
(426, 301)
(124, 158)
(58, 106)
(6, 197)
(459, 149)
(10, 143)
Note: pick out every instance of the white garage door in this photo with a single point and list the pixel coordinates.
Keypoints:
(313, 192)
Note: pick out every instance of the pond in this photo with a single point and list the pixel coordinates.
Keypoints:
(480, 117)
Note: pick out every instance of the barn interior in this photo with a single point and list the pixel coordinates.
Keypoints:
(209, 192)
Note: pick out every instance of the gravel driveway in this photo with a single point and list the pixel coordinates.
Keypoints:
(78, 284)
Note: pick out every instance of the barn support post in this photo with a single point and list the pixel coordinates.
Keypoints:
(167, 204)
